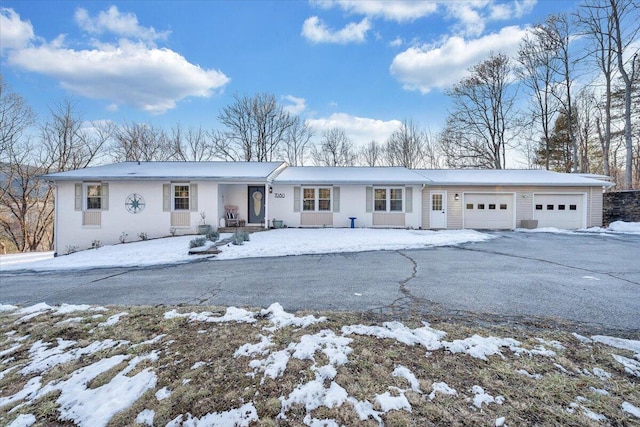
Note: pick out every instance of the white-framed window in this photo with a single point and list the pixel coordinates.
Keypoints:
(388, 199)
(93, 196)
(316, 199)
(180, 196)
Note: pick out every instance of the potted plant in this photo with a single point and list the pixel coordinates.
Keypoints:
(203, 227)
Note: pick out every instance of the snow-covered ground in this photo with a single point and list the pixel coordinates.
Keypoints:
(282, 242)
(617, 227)
(96, 406)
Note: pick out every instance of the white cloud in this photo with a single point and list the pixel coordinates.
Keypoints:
(397, 42)
(120, 24)
(152, 80)
(360, 130)
(298, 105)
(398, 10)
(473, 16)
(15, 33)
(317, 31)
(440, 66)
(471, 22)
(136, 74)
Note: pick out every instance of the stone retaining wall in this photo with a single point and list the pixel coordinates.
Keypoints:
(621, 206)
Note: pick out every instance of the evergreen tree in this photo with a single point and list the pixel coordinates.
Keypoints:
(559, 149)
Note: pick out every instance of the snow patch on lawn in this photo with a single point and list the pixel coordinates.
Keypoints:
(577, 404)
(240, 417)
(426, 336)
(232, 314)
(96, 406)
(146, 417)
(23, 420)
(404, 372)
(630, 366)
(112, 320)
(281, 319)
(442, 388)
(389, 402)
(480, 397)
(282, 242)
(43, 358)
(621, 343)
(631, 409)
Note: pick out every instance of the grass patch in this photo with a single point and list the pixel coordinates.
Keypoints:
(194, 359)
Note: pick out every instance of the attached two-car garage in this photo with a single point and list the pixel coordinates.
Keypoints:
(496, 211)
(509, 199)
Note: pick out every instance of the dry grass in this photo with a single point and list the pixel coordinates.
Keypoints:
(223, 382)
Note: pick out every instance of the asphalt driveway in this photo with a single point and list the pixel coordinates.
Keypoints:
(589, 281)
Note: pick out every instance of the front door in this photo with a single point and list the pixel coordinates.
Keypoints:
(257, 201)
(438, 212)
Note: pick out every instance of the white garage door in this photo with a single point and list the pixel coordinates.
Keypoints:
(488, 211)
(564, 211)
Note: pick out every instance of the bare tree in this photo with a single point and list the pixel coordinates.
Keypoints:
(586, 118)
(431, 154)
(141, 142)
(255, 128)
(370, 154)
(193, 145)
(26, 205)
(16, 116)
(336, 149)
(68, 144)
(483, 115)
(624, 14)
(598, 28)
(296, 143)
(537, 63)
(406, 146)
(464, 150)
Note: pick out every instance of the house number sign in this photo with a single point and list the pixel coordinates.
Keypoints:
(134, 203)
(278, 195)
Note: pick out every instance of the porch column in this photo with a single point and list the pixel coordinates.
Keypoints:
(266, 205)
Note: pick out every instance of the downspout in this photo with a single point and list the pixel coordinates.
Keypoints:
(266, 203)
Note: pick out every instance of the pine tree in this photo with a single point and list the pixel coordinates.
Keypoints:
(560, 159)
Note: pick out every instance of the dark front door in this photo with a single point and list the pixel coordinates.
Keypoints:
(257, 201)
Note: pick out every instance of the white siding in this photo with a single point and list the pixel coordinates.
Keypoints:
(353, 203)
(117, 220)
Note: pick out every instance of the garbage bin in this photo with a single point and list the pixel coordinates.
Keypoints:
(353, 221)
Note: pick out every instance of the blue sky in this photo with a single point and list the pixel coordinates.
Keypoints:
(360, 65)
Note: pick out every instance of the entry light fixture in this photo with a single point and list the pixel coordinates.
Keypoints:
(270, 189)
(457, 196)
